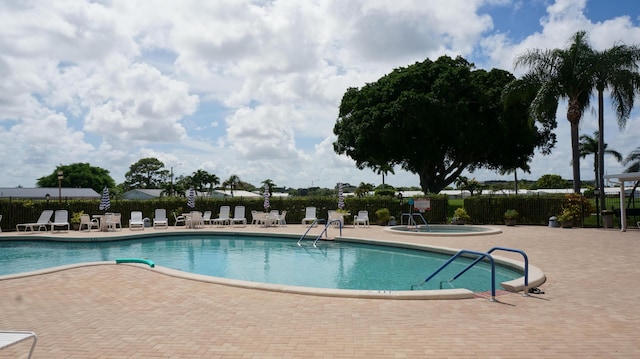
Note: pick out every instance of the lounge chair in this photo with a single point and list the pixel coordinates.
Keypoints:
(362, 218)
(160, 218)
(310, 215)
(238, 216)
(60, 219)
(206, 218)
(179, 219)
(88, 223)
(11, 337)
(136, 220)
(41, 223)
(223, 217)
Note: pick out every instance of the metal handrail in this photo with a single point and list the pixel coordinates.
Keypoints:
(460, 253)
(315, 221)
(526, 265)
(324, 231)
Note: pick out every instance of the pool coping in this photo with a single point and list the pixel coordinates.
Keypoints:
(536, 276)
(489, 231)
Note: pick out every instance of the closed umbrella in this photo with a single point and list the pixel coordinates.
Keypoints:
(105, 201)
(266, 196)
(340, 197)
(191, 201)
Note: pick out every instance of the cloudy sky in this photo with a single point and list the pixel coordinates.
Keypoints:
(252, 87)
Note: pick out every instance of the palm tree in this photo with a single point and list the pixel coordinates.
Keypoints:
(232, 182)
(591, 146)
(617, 69)
(269, 183)
(384, 169)
(563, 74)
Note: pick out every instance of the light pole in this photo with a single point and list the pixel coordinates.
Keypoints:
(60, 178)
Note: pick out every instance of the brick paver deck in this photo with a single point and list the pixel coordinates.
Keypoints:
(590, 309)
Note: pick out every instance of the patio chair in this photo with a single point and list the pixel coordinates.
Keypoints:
(223, 217)
(309, 215)
(179, 219)
(362, 218)
(136, 221)
(195, 220)
(335, 218)
(60, 219)
(160, 218)
(206, 218)
(88, 223)
(42, 222)
(281, 219)
(239, 216)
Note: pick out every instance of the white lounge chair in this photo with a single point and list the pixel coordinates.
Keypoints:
(42, 222)
(11, 337)
(309, 215)
(160, 218)
(362, 218)
(136, 221)
(206, 217)
(239, 216)
(60, 219)
(223, 217)
(87, 223)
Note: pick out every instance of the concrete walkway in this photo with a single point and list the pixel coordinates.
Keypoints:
(590, 309)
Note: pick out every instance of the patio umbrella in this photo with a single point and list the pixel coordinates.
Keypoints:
(191, 201)
(340, 197)
(105, 200)
(266, 196)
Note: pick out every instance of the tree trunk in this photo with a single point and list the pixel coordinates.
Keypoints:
(574, 114)
(600, 153)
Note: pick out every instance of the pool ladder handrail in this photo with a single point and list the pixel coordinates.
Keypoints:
(525, 292)
(411, 220)
(460, 253)
(324, 231)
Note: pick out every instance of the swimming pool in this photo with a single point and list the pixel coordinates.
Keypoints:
(333, 265)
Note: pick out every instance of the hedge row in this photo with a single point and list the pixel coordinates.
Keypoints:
(534, 210)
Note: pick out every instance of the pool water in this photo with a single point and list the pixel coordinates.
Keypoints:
(340, 265)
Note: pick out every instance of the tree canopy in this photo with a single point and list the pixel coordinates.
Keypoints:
(79, 175)
(436, 119)
(146, 173)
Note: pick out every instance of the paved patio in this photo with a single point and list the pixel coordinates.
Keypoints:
(589, 309)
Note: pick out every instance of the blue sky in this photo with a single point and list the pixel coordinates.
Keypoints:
(250, 87)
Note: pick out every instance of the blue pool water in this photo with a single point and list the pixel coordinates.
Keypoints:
(340, 265)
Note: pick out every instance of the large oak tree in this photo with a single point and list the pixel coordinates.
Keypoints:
(438, 118)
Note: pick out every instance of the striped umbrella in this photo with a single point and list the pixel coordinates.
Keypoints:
(105, 200)
(191, 201)
(266, 196)
(340, 197)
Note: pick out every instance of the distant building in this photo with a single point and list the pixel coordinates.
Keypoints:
(51, 193)
(142, 194)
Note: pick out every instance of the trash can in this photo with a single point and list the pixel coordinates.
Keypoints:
(553, 222)
(147, 222)
(607, 219)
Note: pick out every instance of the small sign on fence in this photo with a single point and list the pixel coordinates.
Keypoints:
(422, 204)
